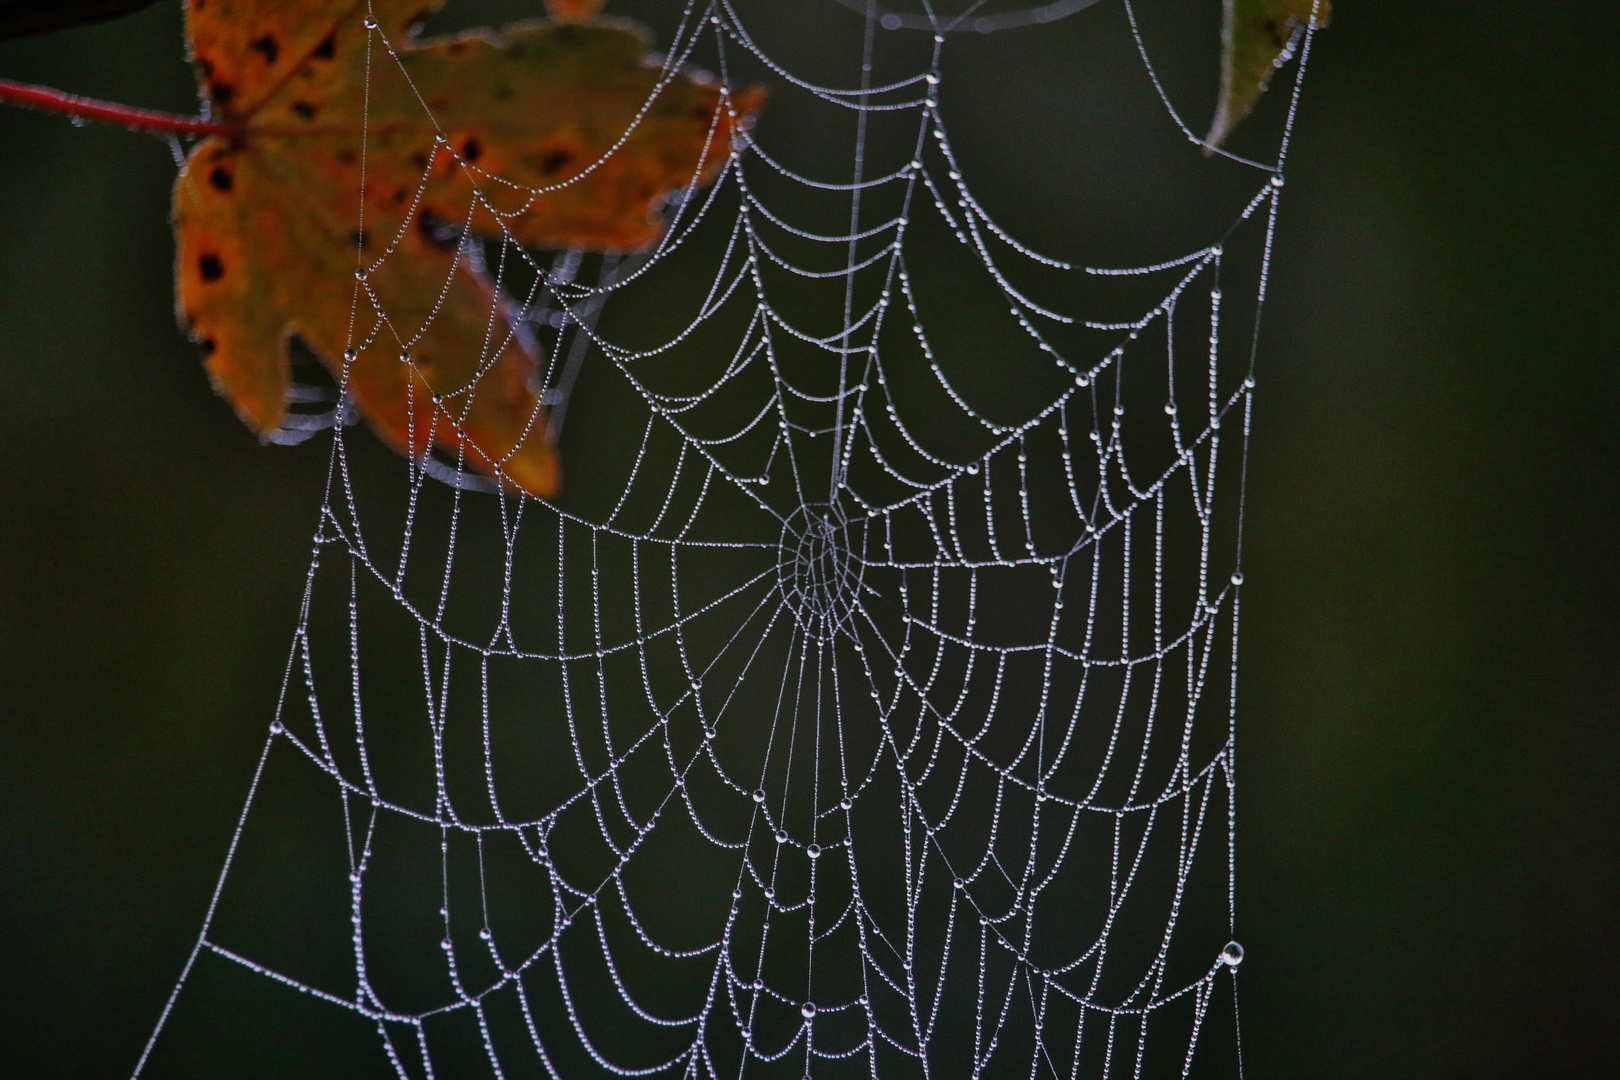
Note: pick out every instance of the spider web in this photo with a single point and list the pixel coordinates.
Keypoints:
(865, 706)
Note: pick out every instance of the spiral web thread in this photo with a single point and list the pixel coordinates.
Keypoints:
(861, 730)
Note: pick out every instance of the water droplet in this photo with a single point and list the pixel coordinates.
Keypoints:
(1276, 181)
(845, 803)
(354, 878)
(959, 883)
(814, 851)
(770, 893)
(736, 894)
(1232, 955)
(759, 795)
(371, 24)
(276, 727)
(973, 470)
(445, 944)
(1237, 579)
(1170, 408)
(808, 1009)
(350, 356)
(486, 933)
(781, 836)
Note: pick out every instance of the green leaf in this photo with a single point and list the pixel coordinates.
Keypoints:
(1257, 38)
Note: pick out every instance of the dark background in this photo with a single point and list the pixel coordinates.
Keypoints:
(1429, 848)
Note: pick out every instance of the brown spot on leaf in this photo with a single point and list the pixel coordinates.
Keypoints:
(554, 161)
(438, 232)
(326, 49)
(207, 346)
(221, 92)
(305, 109)
(360, 238)
(220, 178)
(210, 267)
(471, 150)
(266, 46)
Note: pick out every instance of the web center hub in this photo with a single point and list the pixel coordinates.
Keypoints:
(818, 571)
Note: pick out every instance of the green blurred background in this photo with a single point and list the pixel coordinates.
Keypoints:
(1429, 845)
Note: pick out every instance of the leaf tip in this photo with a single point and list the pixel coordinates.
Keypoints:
(1258, 38)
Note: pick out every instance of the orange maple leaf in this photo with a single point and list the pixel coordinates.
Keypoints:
(358, 160)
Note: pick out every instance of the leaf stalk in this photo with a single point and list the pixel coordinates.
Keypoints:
(49, 99)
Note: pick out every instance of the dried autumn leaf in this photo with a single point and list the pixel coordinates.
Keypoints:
(336, 210)
(1256, 36)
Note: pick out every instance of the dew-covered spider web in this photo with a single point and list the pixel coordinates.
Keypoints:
(865, 704)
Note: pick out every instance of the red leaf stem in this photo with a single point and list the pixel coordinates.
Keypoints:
(47, 99)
